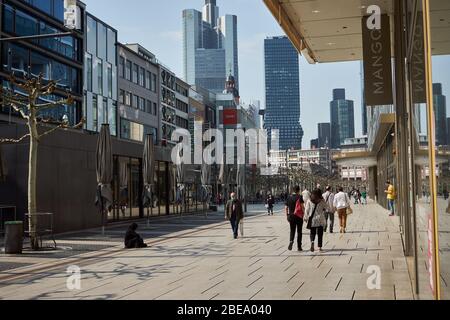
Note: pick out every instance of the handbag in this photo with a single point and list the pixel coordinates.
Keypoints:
(309, 225)
(349, 211)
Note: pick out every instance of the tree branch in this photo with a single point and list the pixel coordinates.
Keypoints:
(49, 105)
(14, 140)
(61, 126)
(17, 109)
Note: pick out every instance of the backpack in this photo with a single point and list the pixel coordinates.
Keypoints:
(299, 209)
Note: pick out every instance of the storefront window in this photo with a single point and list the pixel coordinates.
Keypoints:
(440, 55)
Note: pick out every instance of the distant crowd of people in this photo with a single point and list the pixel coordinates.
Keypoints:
(314, 209)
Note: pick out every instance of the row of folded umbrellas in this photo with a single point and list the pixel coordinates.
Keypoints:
(104, 171)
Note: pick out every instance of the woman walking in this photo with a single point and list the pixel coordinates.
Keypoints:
(315, 215)
(342, 204)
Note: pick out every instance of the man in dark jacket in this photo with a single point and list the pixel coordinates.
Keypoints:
(234, 213)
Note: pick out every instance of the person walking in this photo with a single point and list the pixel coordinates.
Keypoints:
(306, 195)
(390, 193)
(342, 204)
(270, 202)
(315, 215)
(234, 213)
(295, 212)
(329, 199)
(364, 197)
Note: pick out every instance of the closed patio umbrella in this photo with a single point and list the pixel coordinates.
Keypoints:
(2, 166)
(148, 172)
(104, 169)
(240, 181)
(206, 180)
(180, 183)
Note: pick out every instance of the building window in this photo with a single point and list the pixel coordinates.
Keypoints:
(141, 104)
(135, 102)
(148, 80)
(155, 109)
(121, 67)
(148, 107)
(128, 70)
(122, 96)
(142, 77)
(128, 99)
(105, 111)
(94, 113)
(153, 82)
(113, 122)
(135, 73)
(89, 72)
(110, 81)
(100, 76)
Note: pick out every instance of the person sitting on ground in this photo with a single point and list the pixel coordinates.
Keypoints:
(132, 239)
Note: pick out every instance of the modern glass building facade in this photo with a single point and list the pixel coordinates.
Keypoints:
(440, 110)
(282, 77)
(58, 58)
(324, 140)
(210, 48)
(100, 85)
(342, 119)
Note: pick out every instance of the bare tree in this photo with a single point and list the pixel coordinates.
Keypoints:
(28, 103)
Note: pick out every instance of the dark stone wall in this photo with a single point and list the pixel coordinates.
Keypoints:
(66, 175)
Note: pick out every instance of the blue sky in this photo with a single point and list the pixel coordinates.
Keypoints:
(157, 25)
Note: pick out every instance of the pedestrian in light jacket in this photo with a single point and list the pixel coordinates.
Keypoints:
(342, 204)
(315, 216)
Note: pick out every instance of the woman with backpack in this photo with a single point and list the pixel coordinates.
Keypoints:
(315, 215)
(295, 212)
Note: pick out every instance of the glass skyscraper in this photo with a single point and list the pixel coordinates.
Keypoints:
(210, 49)
(282, 77)
(342, 119)
(440, 110)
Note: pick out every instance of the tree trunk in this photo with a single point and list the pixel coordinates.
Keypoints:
(32, 172)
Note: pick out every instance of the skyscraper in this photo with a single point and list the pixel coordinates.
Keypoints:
(363, 104)
(324, 135)
(210, 49)
(282, 77)
(440, 109)
(342, 118)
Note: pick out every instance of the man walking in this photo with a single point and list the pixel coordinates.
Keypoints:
(295, 210)
(328, 196)
(234, 213)
(390, 193)
(306, 195)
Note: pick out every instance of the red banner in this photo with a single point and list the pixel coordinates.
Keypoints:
(230, 117)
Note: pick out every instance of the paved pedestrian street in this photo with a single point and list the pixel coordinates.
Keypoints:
(201, 260)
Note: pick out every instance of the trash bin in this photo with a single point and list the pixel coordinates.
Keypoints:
(13, 237)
